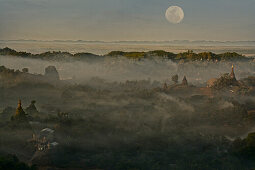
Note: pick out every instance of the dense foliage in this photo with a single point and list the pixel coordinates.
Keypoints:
(209, 56)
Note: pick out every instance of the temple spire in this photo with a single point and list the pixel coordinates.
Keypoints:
(19, 111)
(232, 75)
(19, 104)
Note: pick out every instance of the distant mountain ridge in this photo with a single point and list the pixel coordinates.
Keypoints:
(185, 56)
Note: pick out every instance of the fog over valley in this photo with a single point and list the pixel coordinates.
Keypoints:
(127, 85)
(148, 110)
(121, 69)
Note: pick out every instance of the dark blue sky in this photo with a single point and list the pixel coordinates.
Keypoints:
(126, 20)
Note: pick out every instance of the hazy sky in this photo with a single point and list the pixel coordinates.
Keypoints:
(126, 20)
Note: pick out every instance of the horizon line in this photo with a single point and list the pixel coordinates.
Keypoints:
(119, 41)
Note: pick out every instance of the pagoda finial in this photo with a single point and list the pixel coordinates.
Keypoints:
(232, 75)
(19, 111)
(19, 103)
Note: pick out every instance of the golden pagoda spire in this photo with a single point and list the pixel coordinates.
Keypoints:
(19, 110)
(20, 115)
(19, 104)
(232, 75)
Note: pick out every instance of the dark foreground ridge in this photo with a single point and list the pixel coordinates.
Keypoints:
(185, 56)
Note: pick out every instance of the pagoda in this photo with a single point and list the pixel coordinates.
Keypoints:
(232, 74)
(20, 114)
(31, 109)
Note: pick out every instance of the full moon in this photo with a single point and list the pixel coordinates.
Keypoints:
(174, 14)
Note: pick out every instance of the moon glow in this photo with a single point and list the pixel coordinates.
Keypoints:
(174, 14)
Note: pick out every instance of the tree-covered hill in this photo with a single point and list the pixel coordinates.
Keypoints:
(185, 56)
